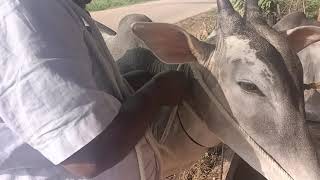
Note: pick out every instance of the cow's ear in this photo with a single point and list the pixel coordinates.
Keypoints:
(303, 36)
(171, 44)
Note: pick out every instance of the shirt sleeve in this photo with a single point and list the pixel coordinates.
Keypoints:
(49, 96)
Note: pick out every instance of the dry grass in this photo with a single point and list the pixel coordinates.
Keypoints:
(209, 167)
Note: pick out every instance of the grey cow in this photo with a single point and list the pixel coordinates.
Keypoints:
(304, 37)
(294, 20)
(247, 92)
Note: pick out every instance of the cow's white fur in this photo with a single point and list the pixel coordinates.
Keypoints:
(239, 49)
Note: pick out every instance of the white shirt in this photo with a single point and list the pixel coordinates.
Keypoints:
(55, 96)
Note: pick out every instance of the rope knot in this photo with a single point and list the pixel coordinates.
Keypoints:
(310, 86)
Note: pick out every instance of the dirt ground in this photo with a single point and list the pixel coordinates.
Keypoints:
(209, 167)
(201, 25)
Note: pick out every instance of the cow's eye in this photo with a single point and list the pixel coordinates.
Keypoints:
(250, 88)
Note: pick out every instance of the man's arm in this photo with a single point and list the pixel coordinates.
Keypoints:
(120, 137)
(51, 99)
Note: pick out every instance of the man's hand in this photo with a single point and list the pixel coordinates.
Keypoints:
(168, 88)
(120, 137)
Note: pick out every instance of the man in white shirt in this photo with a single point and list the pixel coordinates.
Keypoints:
(65, 112)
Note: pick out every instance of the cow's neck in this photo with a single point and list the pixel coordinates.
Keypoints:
(188, 134)
(192, 112)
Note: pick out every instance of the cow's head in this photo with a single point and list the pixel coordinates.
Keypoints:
(261, 80)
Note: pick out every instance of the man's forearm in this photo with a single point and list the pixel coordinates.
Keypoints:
(120, 137)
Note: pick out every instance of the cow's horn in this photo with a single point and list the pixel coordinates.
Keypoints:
(229, 19)
(252, 9)
(225, 5)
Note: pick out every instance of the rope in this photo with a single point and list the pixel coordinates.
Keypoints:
(222, 161)
(169, 125)
(310, 86)
(179, 68)
(185, 131)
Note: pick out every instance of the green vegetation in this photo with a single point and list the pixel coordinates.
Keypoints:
(268, 6)
(97, 5)
(310, 7)
(313, 8)
(283, 7)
